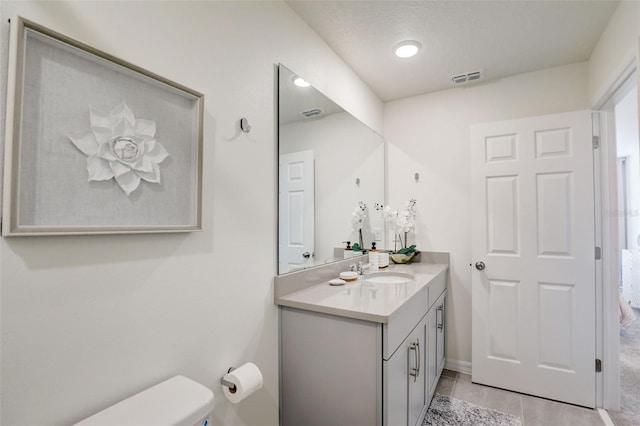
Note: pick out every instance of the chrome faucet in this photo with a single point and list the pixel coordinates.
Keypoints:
(359, 268)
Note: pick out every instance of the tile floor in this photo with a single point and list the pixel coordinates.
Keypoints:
(531, 410)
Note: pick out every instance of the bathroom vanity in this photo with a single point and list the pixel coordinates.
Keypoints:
(366, 353)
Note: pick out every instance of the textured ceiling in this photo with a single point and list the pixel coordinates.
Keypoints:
(500, 37)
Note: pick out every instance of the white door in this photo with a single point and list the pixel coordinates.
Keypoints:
(533, 228)
(296, 210)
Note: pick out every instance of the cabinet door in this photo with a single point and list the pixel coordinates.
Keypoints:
(329, 370)
(441, 344)
(404, 380)
(432, 363)
(417, 351)
(396, 386)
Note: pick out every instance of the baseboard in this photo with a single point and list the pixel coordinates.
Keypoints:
(604, 415)
(463, 367)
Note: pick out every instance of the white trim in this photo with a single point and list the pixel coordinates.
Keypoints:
(605, 417)
(9, 123)
(463, 367)
(609, 278)
(607, 274)
(599, 223)
(605, 92)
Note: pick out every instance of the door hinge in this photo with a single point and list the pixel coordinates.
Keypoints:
(598, 366)
(596, 142)
(598, 253)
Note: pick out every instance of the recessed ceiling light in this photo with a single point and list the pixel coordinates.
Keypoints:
(300, 82)
(407, 48)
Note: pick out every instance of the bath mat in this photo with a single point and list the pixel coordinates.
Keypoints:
(445, 411)
(629, 414)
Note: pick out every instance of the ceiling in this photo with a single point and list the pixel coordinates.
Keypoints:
(501, 38)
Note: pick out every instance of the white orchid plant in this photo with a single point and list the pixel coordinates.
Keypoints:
(119, 146)
(400, 222)
(358, 217)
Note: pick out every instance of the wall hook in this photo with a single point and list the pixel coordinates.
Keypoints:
(358, 181)
(417, 177)
(244, 125)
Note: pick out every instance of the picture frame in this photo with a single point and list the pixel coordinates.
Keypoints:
(95, 144)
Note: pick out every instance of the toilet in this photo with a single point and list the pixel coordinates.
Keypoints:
(178, 401)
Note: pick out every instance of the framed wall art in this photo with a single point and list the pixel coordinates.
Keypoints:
(94, 144)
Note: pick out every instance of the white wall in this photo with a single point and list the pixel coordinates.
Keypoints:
(429, 134)
(617, 48)
(628, 145)
(87, 321)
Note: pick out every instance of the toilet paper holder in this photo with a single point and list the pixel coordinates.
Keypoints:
(231, 386)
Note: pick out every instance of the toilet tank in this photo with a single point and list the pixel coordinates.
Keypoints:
(178, 401)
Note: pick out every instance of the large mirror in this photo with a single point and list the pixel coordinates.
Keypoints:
(331, 176)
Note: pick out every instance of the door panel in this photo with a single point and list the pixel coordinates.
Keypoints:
(502, 214)
(553, 193)
(296, 188)
(533, 227)
(504, 317)
(556, 325)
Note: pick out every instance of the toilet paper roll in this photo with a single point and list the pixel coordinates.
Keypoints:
(247, 379)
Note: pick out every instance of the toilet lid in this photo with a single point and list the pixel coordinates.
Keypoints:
(178, 401)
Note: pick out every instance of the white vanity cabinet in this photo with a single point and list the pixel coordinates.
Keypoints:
(436, 335)
(404, 377)
(441, 342)
(337, 370)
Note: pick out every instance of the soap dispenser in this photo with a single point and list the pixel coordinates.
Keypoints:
(374, 262)
(348, 251)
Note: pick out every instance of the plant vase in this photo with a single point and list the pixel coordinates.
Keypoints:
(402, 258)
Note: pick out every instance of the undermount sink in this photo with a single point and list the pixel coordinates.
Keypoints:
(387, 277)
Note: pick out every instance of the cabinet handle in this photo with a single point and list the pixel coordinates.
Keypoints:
(418, 359)
(413, 372)
(441, 323)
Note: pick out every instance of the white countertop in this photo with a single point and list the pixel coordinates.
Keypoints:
(362, 299)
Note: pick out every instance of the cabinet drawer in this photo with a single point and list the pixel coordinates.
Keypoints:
(399, 327)
(436, 287)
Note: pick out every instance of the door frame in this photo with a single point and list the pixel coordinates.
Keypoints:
(607, 271)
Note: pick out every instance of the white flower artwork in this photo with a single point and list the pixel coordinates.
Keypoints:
(121, 147)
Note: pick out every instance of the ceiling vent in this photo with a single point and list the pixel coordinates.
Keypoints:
(467, 77)
(312, 112)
